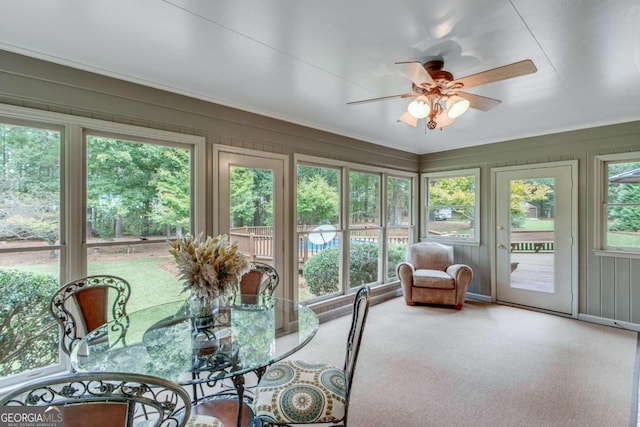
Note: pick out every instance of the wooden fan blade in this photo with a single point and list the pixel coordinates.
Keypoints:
(478, 102)
(384, 98)
(496, 74)
(416, 73)
(408, 119)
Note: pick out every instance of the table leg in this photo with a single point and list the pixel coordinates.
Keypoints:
(238, 382)
(195, 388)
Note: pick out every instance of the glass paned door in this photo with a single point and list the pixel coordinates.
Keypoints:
(251, 207)
(251, 211)
(534, 237)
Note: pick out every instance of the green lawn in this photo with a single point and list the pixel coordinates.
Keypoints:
(614, 239)
(623, 240)
(538, 225)
(150, 283)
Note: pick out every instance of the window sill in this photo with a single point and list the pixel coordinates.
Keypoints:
(342, 304)
(616, 254)
(457, 242)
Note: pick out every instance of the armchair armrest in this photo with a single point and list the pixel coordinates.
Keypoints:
(462, 274)
(405, 273)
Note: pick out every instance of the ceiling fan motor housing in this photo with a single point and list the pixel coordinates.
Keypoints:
(439, 76)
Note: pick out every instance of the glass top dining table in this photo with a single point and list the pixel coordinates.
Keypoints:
(164, 341)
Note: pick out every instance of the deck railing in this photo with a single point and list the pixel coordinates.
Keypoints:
(532, 247)
(257, 242)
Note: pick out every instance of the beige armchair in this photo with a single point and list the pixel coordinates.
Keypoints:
(429, 275)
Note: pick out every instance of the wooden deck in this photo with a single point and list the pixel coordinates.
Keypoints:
(534, 271)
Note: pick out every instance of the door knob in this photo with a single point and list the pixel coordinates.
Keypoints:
(501, 246)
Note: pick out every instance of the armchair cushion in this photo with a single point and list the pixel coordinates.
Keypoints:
(426, 278)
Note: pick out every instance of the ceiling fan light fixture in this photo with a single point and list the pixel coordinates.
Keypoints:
(437, 97)
(456, 106)
(408, 119)
(419, 107)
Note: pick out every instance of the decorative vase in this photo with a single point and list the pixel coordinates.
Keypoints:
(222, 313)
(202, 307)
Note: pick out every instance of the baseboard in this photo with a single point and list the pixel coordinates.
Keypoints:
(609, 322)
(390, 292)
(584, 317)
(478, 297)
(378, 295)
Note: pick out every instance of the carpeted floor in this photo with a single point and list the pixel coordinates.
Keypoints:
(487, 365)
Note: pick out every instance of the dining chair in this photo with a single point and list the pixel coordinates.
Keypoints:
(301, 392)
(261, 280)
(84, 304)
(110, 399)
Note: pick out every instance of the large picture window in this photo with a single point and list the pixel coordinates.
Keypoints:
(75, 200)
(365, 230)
(319, 231)
(399, 221)
(138, 195)
(352, 226)
(451, 208)
(619, 179)
(30, 253)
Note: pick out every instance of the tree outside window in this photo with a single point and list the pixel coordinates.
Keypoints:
(452, 205)
(622, 205)
(30, 242)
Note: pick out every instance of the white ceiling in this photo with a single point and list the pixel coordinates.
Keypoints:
(302, 61)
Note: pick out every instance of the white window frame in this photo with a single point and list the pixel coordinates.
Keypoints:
(14, 115)
(345, 168)
(424, 210)
(600, 216)
(72, 193)
(385, 218)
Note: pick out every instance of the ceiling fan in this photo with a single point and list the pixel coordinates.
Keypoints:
(438, 95)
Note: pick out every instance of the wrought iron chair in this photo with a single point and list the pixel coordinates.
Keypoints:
(108, 399)
(325, 389)
(261, 280)
(82, 305)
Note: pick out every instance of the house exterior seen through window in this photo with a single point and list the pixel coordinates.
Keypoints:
(621, 206)
(451, 207)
